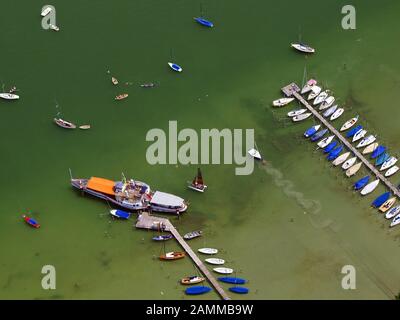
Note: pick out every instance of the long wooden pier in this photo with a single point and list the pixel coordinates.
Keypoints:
(147, 221)
(293, 90)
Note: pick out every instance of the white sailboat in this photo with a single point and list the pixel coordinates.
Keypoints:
(282, 102)
(302, 47)
(366, 141)
(315, 90)
(215, 261)
(346, 165)
(370, 148)
(337, 114)
(391, 171)
(321, 98)
(395, 221)
(301, 117)
(327, 103)
(324, 142)
(342, 158)
(388, 163)
(208, 250)
(348, 124)
(370, 187)
(359, 135)
(392, 212)
(223, 270)
(353, 170)
(296, 112)
(9, 96)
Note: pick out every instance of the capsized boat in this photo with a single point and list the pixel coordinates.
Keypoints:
(162, 237)
(301, 117)
(326, 103)
(370, 187)
(330, 111)
(315, 90)
(255, 154)
(321, 98)
(64, 124)
(387, 205)
(337, 114)
(324, 142)
(32, 222)
(348, 124)
(370, 148)
(204, 22)
(175, 67)
(346, 165)
(130, 194)
(319, 135)
(311, 131)
(192, 280)
(173, 255)
(378, 151)
(388, 163)
(330, 146)
(120, 214)
(307, 88)
(342, 158)
(359, 135)
(282, 102)
(334, 153)
(392, 212)
(197, 184)
(296, 112)
(195, 290)
(121, 96)
(114, 81)
(353, 131)
(366, 141)
(215, 261)
(9, 96)
(361, 183)
(223, 270)
(302, 47)
(353, 170)
(380, 200)
(382, 159)
(192, 235)
(391, 171)
(395, 221)
(240, 290)
(208, 250)
(232, 280)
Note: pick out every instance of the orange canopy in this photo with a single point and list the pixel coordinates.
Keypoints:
(101, 185)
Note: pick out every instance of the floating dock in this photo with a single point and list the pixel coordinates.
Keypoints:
(150, 222)
(293, 90)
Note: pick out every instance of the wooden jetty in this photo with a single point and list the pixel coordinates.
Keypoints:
(293, 90)
(148, 221)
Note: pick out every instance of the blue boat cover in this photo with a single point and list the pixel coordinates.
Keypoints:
(241, 290)
(32, 221)
(232, 280)
(122, 214)
(381, 159)
(361, 183)
(197, 290)
(335, 153)
(330, 147)
(381, 200)
(353, 131)
(309, 132)
(204, 22)
(378, 151)
(319, 135)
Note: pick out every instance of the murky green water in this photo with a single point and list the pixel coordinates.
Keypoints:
(289, 228)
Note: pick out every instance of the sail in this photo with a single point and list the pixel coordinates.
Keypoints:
(199, 178)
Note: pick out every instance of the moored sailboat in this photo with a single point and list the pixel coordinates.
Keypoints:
(197, 184)
(353, 169)
(370, 187)
(348, 124)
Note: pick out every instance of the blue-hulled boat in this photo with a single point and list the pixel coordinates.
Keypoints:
(382, 158)
(380, 200)
(361, 183)
(232, 280)
(334, 153)
(175, 67)
(120, 214)
(204, 22)
(197, 290)
(309, 132)
(163, 237)
(330, 147)
(378, 151)
(353, 131)
(319, 135)
(241, 290)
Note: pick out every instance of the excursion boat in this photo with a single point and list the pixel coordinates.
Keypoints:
(382, 159)
(175, 67)
(330, 146)
(32, 222)
(162, 237)
(378, 151)
(330, 111)
(204, 22)
(303, 47)
(342, 158)
(380, 200)
(192, 235)
(324, 142)
(370, 187)
(388, 163)
(361, 183)
(54, 27)
(215, 261)
(349, 163)
(353, 131)
(120, 214)
(311, 131)
(387, 205)
(318, 135)
(370, 148)
(334, 153)
(9, 96)
(192, 280)
(327, 103)
(359, 135)
(121, 96)
(391, 171)
(392, 212)
(130, 194)
(366, 141)
(395, 221)
(307, 88)
(232, 280)
(255, 154)
(173, 255)
(223, 270)
(195, 290)
(321, 98)
(208, 250)
(282, 102)
(197, 184)
(337, 114)
(64, 124)
(114, 81)
(46, 11)
(315, 91)
(85, 127)
(240, 290)
(348, 124)
(296, 112)
(301, 117)
(353, 170)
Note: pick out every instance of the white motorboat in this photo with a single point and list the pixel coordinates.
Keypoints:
(391, 171)
(366, 141)
(388, 163)
(255, 154)
(301, 117)
(46, 11)
(359, 135)
(353, 170)
(327, 103)
(387, 205)
(392, 212)
(302, 47)
(9, 96)
(54, 27)
(324, 142)
(315, 90)
(342, 158)
(348, 124)
(337, 114)
(208, 250)
(370, 148)
(346, 165)
(370, 187)
(223, 270)
(330, 111)
(215, 261)
(296, 112)
(320, 98)
(282, 102)
(395, 221)
(307, 88)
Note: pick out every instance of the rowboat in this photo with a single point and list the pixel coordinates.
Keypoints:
(370, 148)
(382, 159)
(215, 261)
(282, 102)
(195, 290)
(321, 98)
(310, 83)
(342, 158)
(370, 187)
(330, 146)
(334, 153)
(85, 127)
(208, 250)
(378, 151)
(120, 214)
(46, 11)
(391, 171)
(204, 22)
(330, 111)
(348, 124)
(240, 290)
(162, 237)
(361, 183)
(353, 131)
(388, 163)
(337, 114)
(173, 255)
(175, 67)
(192, 235)
(395, 221)
(318, 135)
(387, 205)
(232, 280)
(9, 96)
(64, 124)
(324, 142)
(366, 141)
(192, 280)
(380, 200)
(255, 154)
(327, 103)
(114, 80)
(197, 184)
(301, 117)
(302, 47)
(315, 90)
(32, 222)
(346, 165)
(223, 270)
(311, 131)
(353, 170)
(359, 135)
(121, 96)
(296, 112)
(392, 212)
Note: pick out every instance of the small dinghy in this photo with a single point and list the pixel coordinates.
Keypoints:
(197, 184)
(387, 205)
(388, 163)
(32, 222)
(296, 112)
(175, 67)
(378, 151)
(208, 250)
(321, 98)
(327, 103)
(392, 212)
(114, 81)
(342, 158)
(311, 131)
(255, 154)
(395, 221)
(147, 85)
(120, 214)
(324, 142)
(282, 102)
(353, 170)
(319, 135)
(370, 187)
(359, 135)
(346, 165)
(334, 153)
(192, 280)
(192, 235)
(307, 88)
(370, 148)
(391, 171)
(215, 261)
(382, 159)
(353, 131)
(173, 255)
(223, 270)
(204, 22)
(337, 114)
(315, 90)
(366, 141)
(9, 96)
(240, 290)
(330, 111)
(380, 200)
(64, 124)
(348, 124)
(85, 127)
(361, 183)
(195, 290)
(302, 47)
(162, 237)
(232, 280)
(301, 117)
(121, 96)
(330, 146)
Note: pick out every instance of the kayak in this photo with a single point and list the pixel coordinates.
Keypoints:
(204, 22)
(32, 222)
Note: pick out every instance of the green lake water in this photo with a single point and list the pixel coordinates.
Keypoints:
(289, 227)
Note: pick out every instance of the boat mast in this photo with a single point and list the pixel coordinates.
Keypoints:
(70, 173)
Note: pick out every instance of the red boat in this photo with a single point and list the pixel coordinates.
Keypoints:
(33, 223)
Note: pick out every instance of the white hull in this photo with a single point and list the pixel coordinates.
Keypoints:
(255, 154)
(348, 124)
(314, 92)
(320, 98)
(9, 96)
(370, 187)
(307, 88)
(342, 158)
(366, 141)
(282, 102)
(208, 250)
(349, 163)
(353, 170)
(223, 270)
(296, 112)
(359, 135)
(392, 212)
(337, 114)
(388, 163)
(302, 48)
(327, 103)
(330, 111)
(370, 148)
(215, 261)
(395, 221)
(324, 142)
(391, 171)
(301, 117)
